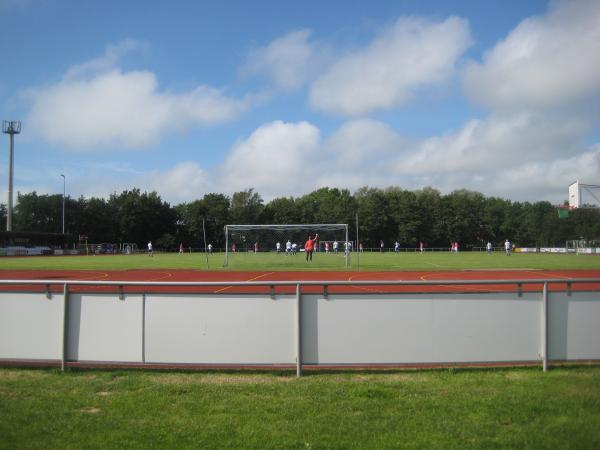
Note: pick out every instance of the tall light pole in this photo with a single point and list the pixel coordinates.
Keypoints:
(10, 127)
(64, 191)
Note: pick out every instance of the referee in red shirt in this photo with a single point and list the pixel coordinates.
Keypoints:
(309, 246)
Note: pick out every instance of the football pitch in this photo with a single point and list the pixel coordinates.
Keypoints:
(271, 261)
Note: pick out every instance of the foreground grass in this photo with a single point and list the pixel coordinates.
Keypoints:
(428, 261)
(510, 408)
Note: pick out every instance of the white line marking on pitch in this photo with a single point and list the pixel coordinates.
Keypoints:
(557, 275)
(433, 264)
(168, 275)
(461, 287)
(365, 288)
(252, 279)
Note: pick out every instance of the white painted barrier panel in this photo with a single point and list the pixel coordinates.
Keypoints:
(342, 329)
(104, 328)
(30, 326)
(486, 327)
(237, 329)
(369, 330)
(432, 328)
(574, 326)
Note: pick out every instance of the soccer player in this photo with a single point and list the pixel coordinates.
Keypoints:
(278, 247)
(256, 247)
(396, 246)
(210, 249)
(288, 247)
(326, 247)
(421, 246)
(489, 247)
(309, 246)
(335, 247)
(150, 251)
(381, 246)
(294, 248)
(507, 247)
(181, 248)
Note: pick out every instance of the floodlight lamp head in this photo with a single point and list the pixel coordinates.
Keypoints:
(11, 126)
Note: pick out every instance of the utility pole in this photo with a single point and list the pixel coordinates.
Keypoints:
(10, 127)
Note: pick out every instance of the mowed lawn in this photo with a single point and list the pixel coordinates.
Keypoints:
(270, 261)
(461, 409)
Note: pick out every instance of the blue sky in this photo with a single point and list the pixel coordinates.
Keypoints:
(188, 98)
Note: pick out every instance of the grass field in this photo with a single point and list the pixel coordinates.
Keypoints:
(428, 261)
(500, 408)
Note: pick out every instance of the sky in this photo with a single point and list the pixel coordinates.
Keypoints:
(188, 98)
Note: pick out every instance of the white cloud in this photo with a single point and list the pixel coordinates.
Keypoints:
(363, 143)
(544, 180)
(497, 143)
(411, 54)
(184, 182)
(180, 183)
(106, 62)
(277, 159)
(549, 60)
(97, 105)
(289, 61)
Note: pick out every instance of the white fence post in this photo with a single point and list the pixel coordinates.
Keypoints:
(545, 327)
(298, 332)
(65, 333)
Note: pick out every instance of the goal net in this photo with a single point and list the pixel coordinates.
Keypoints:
(255, 246)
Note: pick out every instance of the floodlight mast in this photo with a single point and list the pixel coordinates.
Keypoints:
(10, 127)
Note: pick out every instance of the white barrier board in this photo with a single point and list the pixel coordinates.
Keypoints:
(235, 329)
(104, 328)
(432, 328)
(31, 326)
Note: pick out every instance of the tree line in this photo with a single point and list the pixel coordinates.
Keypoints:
(391, 214)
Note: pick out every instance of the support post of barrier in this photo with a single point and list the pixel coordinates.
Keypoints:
(65, 331)
(144, 328)
(545, 327)
(298, 332)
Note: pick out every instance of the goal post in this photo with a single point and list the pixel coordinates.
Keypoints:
(262, 239)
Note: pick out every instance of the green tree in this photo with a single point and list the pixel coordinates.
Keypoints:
(327, 205)
(284, 210)
(464, 218)
(404, 213)
(431, 210)
(246, 207)
(214, 210)
(3, 214)
(142, 217)
(375, 222)
(42, 213)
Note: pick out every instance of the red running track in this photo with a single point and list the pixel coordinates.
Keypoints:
(166, 275)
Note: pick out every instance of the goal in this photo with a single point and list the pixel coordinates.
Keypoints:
(260, 242)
